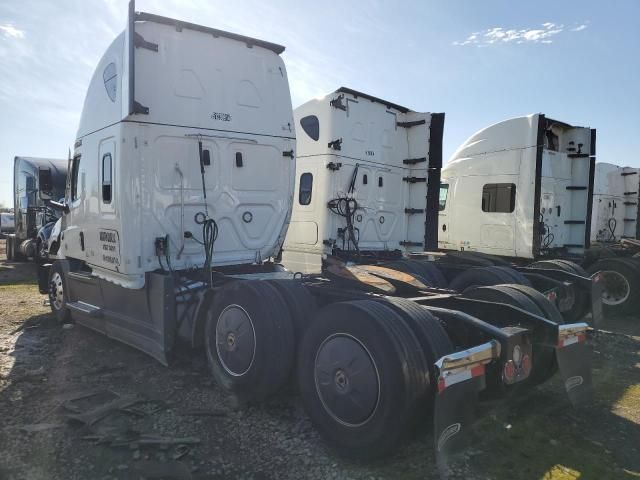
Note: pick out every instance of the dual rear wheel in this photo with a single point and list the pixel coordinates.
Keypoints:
(364, 368)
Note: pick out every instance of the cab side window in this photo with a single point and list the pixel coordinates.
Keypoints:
(499, 197)
(444, 192)
(106, 178)
(306, 186)
(75, 169)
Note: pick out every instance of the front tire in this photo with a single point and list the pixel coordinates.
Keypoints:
(58, 296)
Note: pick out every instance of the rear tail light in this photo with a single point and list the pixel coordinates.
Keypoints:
(552, 296)
(509, 372)
(519, 366)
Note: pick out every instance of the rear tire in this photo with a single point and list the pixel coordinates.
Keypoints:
(362, 376)
(249, 339)
(621, 281)
(483, 277)
(578, 307)
(300, 303)
(544, 363)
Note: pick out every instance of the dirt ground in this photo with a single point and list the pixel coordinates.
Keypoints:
(176, 423)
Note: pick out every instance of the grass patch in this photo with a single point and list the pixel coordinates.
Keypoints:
(542, 447)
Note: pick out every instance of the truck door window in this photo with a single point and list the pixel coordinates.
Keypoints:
(75, 168)
(106, 177)
(444, 191)
(311, 126)
(306, 185)
(499, 197)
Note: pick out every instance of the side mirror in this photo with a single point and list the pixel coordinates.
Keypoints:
(62, 207)
(45, 183)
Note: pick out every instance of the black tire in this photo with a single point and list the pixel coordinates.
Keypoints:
(300, 303)
(518, 277)
(550, 311)
(58, 293)
(579, 300)
(482, 276)
(407, 266)
(390, 383)
(431, 272)
(249, 339)
(426, 327)
(620, 278)
(544, 359)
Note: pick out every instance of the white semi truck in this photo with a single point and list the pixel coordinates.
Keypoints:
(523, 189)
(615, 204)
(179, 197)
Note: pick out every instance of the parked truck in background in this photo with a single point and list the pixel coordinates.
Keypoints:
(35, 182)
(7, 223)
(523, 190)
(615, 204)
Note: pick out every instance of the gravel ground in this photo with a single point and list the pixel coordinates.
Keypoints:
(186, 427)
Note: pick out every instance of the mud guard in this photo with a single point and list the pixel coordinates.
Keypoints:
(574, 357)
(461, 376)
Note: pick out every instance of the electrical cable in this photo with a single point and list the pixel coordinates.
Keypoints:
(612, 223)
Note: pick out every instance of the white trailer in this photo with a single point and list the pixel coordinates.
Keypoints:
(179, 197)
(615, 204)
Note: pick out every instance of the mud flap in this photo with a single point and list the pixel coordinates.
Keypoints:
(461, 376)
(43, 278)
(454, 413)
(596, 300)
(574, 358)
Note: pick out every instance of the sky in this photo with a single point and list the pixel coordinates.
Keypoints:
(478, 61)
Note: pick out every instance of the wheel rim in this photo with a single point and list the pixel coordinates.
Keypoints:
(616, 289)
(347, 379)
(235, 340)
(56, 291)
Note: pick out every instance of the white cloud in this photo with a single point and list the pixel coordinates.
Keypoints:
(10, 31)
(500, 35)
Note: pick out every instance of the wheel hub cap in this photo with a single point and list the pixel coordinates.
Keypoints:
(235, 340)
(56, 291)
(347, 379)
(616, 289)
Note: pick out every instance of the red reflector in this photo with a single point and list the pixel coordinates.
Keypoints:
(441, 385)
(477, 370)
(509, 371)
(552, 296)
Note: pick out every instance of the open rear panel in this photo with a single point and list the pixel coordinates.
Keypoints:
(565, 167)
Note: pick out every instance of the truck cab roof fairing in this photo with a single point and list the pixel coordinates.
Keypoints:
(125, 85)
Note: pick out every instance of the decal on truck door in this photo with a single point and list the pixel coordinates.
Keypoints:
(109, 244)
